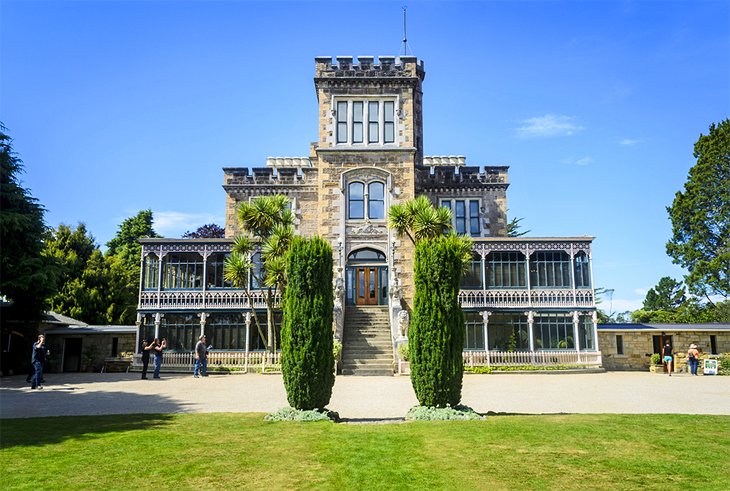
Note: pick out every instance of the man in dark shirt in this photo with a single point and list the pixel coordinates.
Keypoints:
(38, 358)
(201, 358)
(146, 347)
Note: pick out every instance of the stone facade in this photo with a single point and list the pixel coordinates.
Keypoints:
(639, 342)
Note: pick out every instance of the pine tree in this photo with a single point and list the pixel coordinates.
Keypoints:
(436, 334)
(306, 335)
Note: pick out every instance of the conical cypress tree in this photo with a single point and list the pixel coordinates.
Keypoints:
(306, 334)
(436, 334)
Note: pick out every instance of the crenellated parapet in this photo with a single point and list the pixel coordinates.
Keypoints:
(460, 176)
(444, 160)
(272, 175)
(367, 67)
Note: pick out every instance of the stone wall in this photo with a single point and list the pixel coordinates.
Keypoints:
(94, 349)
(638, 344)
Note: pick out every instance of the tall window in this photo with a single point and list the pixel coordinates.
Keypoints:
(585, 334)
(465, 215)
(361, 198)
(619, 344)
(151, 272)
(215, 278)
(356, 200)
(505, 270)
(554, 332)
(373, 122)
(376, 201)
(181, 331)
(508, 332)
(472, 277)
(357, 122)
(182, 271)
(342, 122)
(474, 336)
(389, 122)
(257, 272)
(550, 270)
(582, 271)
(227, 331)
(370, 122)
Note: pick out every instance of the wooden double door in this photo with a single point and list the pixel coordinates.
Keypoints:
(366, 285)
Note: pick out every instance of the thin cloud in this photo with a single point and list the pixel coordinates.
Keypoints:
(629, 142)
(176, 223)
(623, 305)
(583, 161)
(548, 126)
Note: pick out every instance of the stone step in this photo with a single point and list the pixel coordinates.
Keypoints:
(368, 372)
(376, 362)
(366, 355)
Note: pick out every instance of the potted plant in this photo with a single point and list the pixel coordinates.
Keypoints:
(404, 367)
(656, 364)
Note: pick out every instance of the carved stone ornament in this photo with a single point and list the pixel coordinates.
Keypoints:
(369, 229)
(404, 321)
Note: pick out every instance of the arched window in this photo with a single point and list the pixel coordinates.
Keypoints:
(356, 200)
(376, 201)
(582, 271)
(366, 255)
(366, 201)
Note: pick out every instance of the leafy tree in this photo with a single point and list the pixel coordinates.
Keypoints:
(307, 358)
(123, 253)
(267, 223)
(668, 294)
(700, 216)
(209, 231)
(418, 219)
(27, 278)
(436, 333)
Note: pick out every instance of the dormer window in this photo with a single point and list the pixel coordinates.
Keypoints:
(365, 122)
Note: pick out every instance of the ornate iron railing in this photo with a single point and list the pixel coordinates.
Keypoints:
(525, 298)
(196, 299)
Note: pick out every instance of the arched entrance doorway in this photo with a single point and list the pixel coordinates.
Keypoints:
(366, 278)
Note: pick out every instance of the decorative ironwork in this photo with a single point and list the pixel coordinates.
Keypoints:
(525, 298)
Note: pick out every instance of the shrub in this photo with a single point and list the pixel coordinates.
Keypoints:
(723, 364)
(307, 360)
(423, 413)
(656, 359)
(436, 335)
(336, 348)
(403, 351)
(291, 414)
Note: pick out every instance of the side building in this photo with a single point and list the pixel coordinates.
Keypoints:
(527, 300)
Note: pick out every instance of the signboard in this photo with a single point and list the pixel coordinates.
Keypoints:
(710, 367)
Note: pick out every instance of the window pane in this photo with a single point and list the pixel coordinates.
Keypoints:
(357, 122)
(389, 122)
(460, 217)
(474, 217)
(373, 120)
(376, 190)
(357, 209)
(342, 122)
(446, 204)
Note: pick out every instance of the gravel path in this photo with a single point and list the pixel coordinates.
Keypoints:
(366, 398)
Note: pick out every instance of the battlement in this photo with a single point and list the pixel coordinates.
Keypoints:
(239, 176)
(458, 175)
(444, 160)
(296, 162)
(366, 67)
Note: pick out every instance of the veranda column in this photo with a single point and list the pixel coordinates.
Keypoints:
(158, 320)
(530, 321)
(138, 323)
(594, 318)
(576, 321)
(485, 317)
(247, 316)
(203, 320)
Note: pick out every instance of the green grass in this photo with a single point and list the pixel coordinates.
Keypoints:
(241, 451)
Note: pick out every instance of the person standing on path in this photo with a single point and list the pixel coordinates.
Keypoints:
(201, 358)
(159, 347)
(693, 358)
(668, 358)
(146, 347)
(38, 358)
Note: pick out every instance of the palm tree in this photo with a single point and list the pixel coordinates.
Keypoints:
(418, 219)
(267, 223)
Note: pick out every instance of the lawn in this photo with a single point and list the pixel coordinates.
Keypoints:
(241, 451)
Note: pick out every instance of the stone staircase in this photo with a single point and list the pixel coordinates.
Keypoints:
(367, 348)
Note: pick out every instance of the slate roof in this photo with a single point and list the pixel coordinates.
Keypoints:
(50, 317)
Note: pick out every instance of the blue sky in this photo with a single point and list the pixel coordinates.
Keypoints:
(595, 106)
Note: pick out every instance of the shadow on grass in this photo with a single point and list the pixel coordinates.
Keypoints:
(28, 426)
(372, 420)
